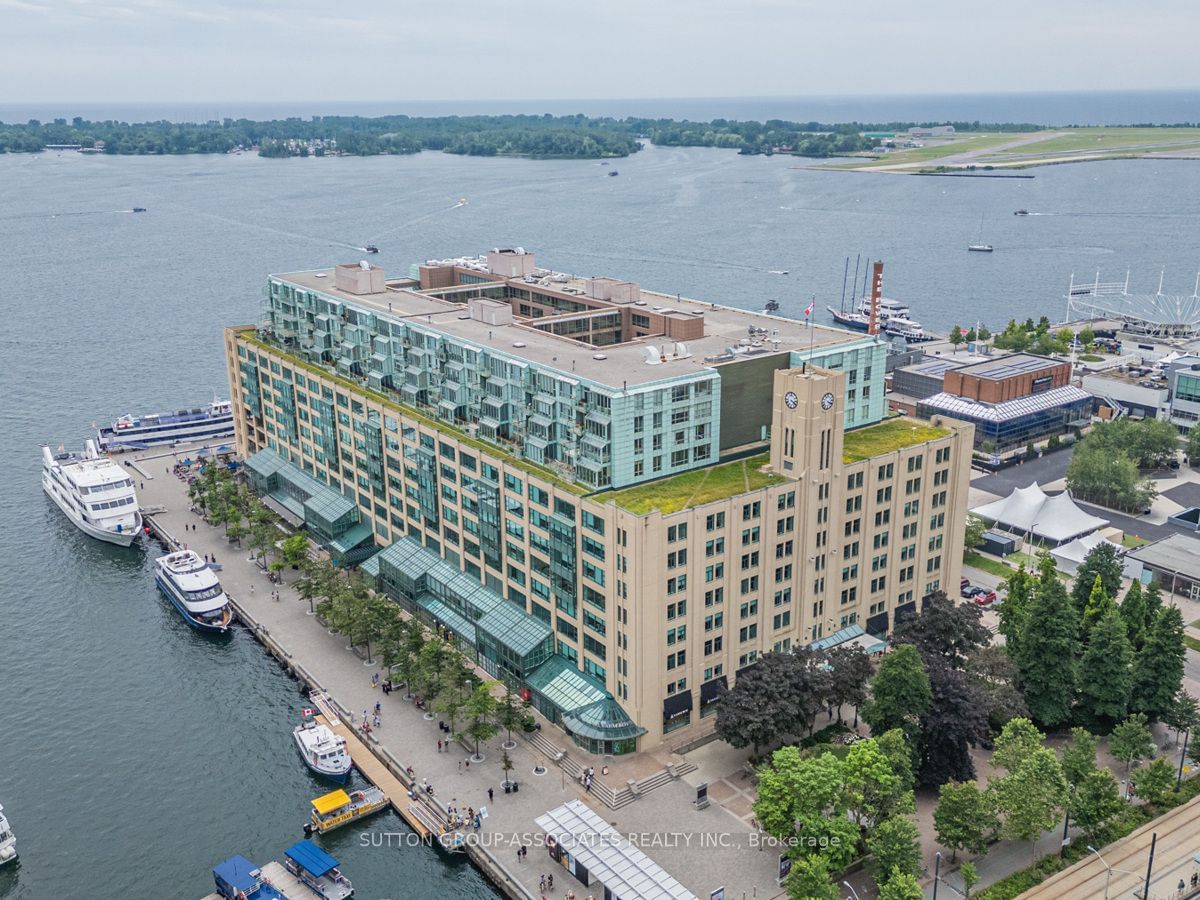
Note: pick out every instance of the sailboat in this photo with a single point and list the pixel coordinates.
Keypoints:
(979, 246)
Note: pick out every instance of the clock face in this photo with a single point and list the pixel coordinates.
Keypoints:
(791, 399)
(827, 401)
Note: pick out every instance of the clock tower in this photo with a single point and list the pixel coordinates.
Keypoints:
(807, 422)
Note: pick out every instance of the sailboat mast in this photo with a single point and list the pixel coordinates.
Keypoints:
(845, 274)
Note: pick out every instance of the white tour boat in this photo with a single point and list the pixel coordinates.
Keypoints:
(8, 842)
(192, 587)
(322, 751)
(181, 426)
(94, 492)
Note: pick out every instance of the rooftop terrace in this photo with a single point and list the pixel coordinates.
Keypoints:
(695, 488)
(887, 437)
(614, 365)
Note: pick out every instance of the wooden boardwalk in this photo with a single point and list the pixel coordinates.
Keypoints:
(425, 821)
(1178, 843)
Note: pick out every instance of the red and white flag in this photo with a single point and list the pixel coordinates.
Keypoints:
(808, 310)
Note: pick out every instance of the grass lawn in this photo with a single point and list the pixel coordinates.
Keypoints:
(986, 563)
(1112, 139)
(1132, 540)
(695, 488)
(1193, 643)
(887, 437)
(959, 144)
(1090, 357)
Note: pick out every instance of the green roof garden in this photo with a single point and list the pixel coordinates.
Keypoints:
(695, 488)
(887, 437)
(532, 468)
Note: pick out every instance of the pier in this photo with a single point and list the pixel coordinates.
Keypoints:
(703, 848)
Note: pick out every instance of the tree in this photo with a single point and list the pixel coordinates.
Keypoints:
(973, 537)
(984, 333)
(511, 712)
(1087, 337)
(900, 693)
(1105, 671)
(971, 335)
(480, 710)
(1103, 563)
(954, 721)
(1098, 604)
(1108, 477)
(991, 671)
(1158, 666)
(1018, 741)
(956, 337)
(969, 877)
(944, 631)
(964, 818)
(805, 797)
(780, 694)
(1031, 796)
(810, 879)
(1184, 714)
(506, 764)
(295, 549)
(1079, 756)
(1048, 650)
(872, 789)
(893, 745)
(901, 886)
(1154, 781)
(1131, 740)
(1096, 800)
(1136, 614)
(1193, 444)
(1019, 588)
(895, 846)
(456, 692)
(849, 670)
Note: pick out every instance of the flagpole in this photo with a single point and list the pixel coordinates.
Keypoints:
(812, 332)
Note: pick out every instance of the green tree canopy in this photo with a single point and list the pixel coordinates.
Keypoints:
(781, 694)
(810, 879)
(895, 846)
(1106, 670)
(1154, 781)
(1158, 666)
(1136, 614)
(1018, 740)
(1101, 562)
(944, 630)
(900, 693)
(1048, 650)
(1031, 796)
(964, 818)
(901, 885)
(1079, 755)
(1096, 800)
(1131, 740)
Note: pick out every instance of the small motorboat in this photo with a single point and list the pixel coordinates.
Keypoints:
(322, 751)
(980, 248)
(8, 842)
(139, 209)
(371, 248)
(771, 306)
(1021, 212)
(613, 173)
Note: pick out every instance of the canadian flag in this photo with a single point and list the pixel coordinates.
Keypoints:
(808, 310)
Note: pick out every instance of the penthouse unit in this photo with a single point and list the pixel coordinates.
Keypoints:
(604, 382)
(622, 609)
(1012, 400)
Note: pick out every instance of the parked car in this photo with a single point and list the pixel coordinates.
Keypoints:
(964, 583)
(969, 591)
(984, 597)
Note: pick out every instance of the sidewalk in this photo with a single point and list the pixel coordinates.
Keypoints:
(703, 849)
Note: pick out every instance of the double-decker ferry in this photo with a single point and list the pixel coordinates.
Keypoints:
(182, 426)
(193, 589)
(95, 493)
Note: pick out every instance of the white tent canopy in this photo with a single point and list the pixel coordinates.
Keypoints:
(1071, 555)
(1030, 510)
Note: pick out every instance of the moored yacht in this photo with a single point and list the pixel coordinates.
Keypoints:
(894, 319)
(181, 426)
(194, 590)
(94, 493)
(8, 842)
(322, 751)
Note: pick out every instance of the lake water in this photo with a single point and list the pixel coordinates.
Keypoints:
(138, 754)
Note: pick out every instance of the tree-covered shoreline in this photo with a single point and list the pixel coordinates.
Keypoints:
(532, 136)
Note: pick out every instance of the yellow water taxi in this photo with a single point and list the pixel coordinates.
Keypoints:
(335, 809)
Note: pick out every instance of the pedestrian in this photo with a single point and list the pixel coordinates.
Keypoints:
(142, 485)
(378, 706)
(489, 795)
(439, 746)
(375, 680)
(542, 883)
(252, 591)
(468, 764)
(550, 881)
(214, 557)
(460, 767)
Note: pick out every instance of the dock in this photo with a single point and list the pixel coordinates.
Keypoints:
(420, 818)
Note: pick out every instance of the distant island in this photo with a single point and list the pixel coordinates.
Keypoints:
(901, 147)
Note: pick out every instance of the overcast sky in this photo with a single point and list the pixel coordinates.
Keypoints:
(321, 50)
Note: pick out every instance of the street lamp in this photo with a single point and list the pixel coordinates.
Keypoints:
(1110, 869)
(850, 888)
(937, 871)
(1182, 757)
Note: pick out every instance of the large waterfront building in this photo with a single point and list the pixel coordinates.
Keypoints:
(614, 498)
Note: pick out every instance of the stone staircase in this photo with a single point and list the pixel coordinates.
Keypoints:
(614, 799)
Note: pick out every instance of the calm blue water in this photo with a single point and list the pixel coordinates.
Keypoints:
(136, 753)
(1049, 108)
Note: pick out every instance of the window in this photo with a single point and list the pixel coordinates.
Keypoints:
(749, 560)
(750, 536)
(750, 585)
(748, 609)
(676, 584)
(714, 621)
(677, 533)
(749, 633)
(751, 510)
(787, 500)
(714, 547)
(714, 572)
